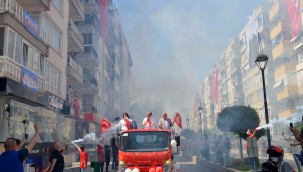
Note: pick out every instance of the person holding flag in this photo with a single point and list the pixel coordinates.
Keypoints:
(178, 120)
(105, 125)
(147, 121)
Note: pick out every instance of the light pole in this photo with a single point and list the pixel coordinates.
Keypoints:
(200, 118)
(261, 62)
(187, 120)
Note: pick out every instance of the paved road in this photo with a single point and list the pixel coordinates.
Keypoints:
(189, 164)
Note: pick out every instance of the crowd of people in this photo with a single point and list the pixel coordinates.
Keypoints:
(13, 158)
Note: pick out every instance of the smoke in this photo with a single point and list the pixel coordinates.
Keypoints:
(296, 117)
(175, 44)
(89, 138)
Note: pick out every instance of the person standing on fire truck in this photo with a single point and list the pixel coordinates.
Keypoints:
(165, 122)
(147, 121)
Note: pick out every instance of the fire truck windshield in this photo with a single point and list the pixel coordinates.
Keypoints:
(144, 141)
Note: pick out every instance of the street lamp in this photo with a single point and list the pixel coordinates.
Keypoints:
(200, 117)
(187, 120)
(261, 62)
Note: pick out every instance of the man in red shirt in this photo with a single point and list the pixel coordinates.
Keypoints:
(83, 157)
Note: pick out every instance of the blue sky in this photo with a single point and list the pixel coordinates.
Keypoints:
(175, 43)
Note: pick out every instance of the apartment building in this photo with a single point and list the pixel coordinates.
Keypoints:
(120, 62)
(55, 68)
(33, 65)
(253, 44)
(285, 54)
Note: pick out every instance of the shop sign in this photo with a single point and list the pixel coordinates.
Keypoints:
(29, 79)
(31, 25)
(55, 102)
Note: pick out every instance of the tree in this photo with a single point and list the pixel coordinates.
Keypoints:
(188, 134)
(238, 119)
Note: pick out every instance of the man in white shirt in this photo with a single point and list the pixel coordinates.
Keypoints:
(147, 121)
(165, 122)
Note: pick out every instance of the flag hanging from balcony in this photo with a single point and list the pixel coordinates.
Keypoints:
(178, 120)
(105, 125)
(214, 84)
(293, 9)
(104, 17)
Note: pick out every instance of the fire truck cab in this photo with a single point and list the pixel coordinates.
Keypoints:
(142, 150)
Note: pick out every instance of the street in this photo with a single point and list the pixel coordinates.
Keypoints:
(189, 164)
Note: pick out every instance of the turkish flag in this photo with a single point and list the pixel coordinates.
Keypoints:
(105, 125)
(293, 8)
(178, 120)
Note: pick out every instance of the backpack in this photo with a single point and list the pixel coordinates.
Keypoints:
(133, 124)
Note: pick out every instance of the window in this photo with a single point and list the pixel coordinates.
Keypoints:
(11, 41)
(18, 52)
(52, 79)
(41, 66)
(88, 101)
(56, 39)
(1, 40)
(30, 57)
(25, 55)
(55, 34)
(36, 60)
(87, 38)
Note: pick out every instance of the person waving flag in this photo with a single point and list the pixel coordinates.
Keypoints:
(105, 125)
(178, 120)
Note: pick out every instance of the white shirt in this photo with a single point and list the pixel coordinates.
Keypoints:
(147, 124)
(122, 124)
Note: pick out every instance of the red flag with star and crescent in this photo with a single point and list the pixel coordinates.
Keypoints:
(105, 125)
(178, 120)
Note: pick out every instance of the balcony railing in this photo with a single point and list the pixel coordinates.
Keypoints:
(75, 30)
(9, 68)
(14, 8)
(74, 65)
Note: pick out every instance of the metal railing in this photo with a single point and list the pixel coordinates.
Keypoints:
(72, 63)
(74, 28)
(14, 8)
(9, 68)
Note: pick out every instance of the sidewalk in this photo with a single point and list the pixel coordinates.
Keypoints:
(287, 157)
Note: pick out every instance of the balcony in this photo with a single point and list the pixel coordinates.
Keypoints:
(75, 38)
(92, 6)
(274, 10)
(10, 69)
(76, 10)
(284, 69)
(35, 5)
(74, 71)
(297, 42)
(287, 92)
(287, 113)
(89, 57)
(282, 49)
(12, 14)
(87, 88)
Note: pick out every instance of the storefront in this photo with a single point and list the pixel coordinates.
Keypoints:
(21, 107)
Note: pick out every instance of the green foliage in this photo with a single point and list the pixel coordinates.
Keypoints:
(238, 119)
